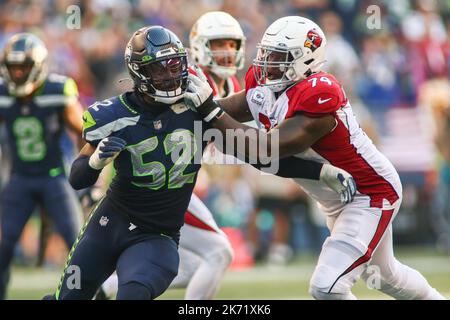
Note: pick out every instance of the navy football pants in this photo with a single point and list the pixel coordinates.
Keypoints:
(19, 198)
(146, 263)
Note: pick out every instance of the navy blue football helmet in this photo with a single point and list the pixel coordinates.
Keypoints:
(157, 62)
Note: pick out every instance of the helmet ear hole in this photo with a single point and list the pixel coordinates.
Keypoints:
(308, 73)
(308, 62)
(290, 74)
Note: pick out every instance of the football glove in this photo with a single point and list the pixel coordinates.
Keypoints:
(107, 150)
(340, 181)
(199, 89)
(199, 96)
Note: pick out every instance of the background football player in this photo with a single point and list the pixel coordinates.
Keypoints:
(35, 106)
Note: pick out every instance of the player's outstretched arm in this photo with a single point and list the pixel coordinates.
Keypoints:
(87, 167)
(337, 179)
(293, 136)
(236, 106)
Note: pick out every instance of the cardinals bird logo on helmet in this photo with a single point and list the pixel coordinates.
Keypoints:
(313, 40)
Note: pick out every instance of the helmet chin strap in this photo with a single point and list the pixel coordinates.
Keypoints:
(278, 87)
(160, 98)
(168, 100)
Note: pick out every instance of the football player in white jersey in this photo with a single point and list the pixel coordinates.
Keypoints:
(287, 94)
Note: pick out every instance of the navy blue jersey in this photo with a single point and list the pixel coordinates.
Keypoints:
(34, 126)
(156, 173)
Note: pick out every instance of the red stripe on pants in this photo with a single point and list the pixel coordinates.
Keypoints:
(192, 220)
(386, 216)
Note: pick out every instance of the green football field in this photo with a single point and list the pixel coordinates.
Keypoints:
(260, 282)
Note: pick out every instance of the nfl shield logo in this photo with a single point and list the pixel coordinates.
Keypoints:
(157, 124)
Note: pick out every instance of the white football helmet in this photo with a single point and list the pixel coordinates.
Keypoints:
(291, 49)
(211, 26)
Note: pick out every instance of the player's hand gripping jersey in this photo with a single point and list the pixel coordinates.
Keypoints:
(346, 147)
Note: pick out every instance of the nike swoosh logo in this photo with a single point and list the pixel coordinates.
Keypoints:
(84, 119)
(320, 101)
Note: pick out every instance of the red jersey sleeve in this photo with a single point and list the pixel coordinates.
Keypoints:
(316, 96)
(250, 81)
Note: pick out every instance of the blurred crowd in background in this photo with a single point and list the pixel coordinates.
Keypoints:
(395, 73)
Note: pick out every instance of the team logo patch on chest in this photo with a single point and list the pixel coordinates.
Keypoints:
(157, 124)
(258, 98)
(103, 221)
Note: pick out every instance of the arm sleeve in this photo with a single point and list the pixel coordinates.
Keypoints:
(98, 123)
(81, 174)
(293, 167)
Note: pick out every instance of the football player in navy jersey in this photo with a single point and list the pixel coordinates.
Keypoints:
(35, 107)
(149, 134)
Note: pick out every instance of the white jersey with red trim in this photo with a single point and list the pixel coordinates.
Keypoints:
(346, 147)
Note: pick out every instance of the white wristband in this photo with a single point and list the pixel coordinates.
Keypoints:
(212, 114)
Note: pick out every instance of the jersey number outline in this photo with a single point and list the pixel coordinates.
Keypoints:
(182, 147)
(322, 79)
(30, 141)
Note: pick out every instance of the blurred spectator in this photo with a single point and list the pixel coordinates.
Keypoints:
(425, 34)
(379, 87)
(342, 60)
(424, 22)
(435, 99)
(269, 228)
(229, 198)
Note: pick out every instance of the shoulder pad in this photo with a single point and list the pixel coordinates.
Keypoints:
(58, 91)
(55, 84)
(55, 78)
(316, 95)
(6, 100)
(103, 118)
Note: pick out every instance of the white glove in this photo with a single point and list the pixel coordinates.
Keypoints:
(340, 181)
(198, 90)
(107, 150)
